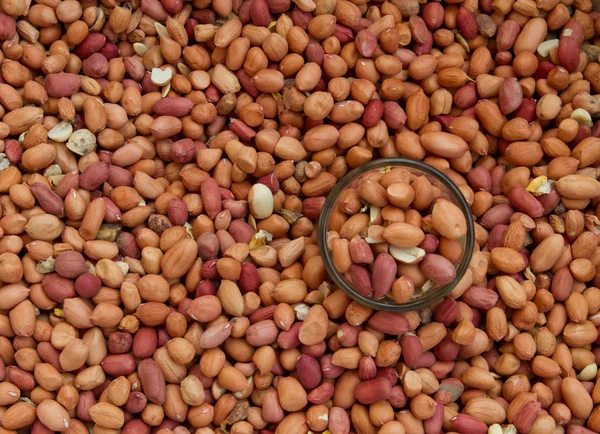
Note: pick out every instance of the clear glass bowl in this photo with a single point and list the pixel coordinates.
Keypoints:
(449, 191)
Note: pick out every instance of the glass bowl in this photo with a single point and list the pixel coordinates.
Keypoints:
(449, 191)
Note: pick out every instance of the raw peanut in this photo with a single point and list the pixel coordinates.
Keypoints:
(545, 255)
(107, 415)
(437, 269)
(53, 415)
(262, 333)
(448, 220)
(388, 322)
(57, 288)
(320, 394)
(174, 106)
(8, 26)
(510, 95)
(22, 319)
(179, 258)
(403, 235)
(578, 187)
(360, 251)
(119, 364)
(418, 29)
(507, 34)
(393, 115)
(323, 137)
(70, 265)
(309, 372)
(479, 297)
(361, 279)
(464, 423)
(152, 381)
(215, 336)
(366, 43)
(500, 214)
(444, 144)
(465, 20)
(94, 175)
(291, 394)
(384, 273)
(372, 391)
(568, 47)
(433, 16)
(507, 260)
(523, 201)
(511, 292)
(63, 84)
(373, 113)
(532, 34)
(232, 379)
(91, 44)
(210, 197)
(338, 420)
(314, 327)
(491, 117)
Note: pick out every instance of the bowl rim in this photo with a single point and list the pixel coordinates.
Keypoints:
(433, 295)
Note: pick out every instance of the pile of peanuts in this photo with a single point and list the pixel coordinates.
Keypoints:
(163, 165)
(387, 262)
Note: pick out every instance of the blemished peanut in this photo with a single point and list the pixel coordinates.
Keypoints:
(163, 168)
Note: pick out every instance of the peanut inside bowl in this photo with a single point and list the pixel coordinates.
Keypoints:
(396, 234)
